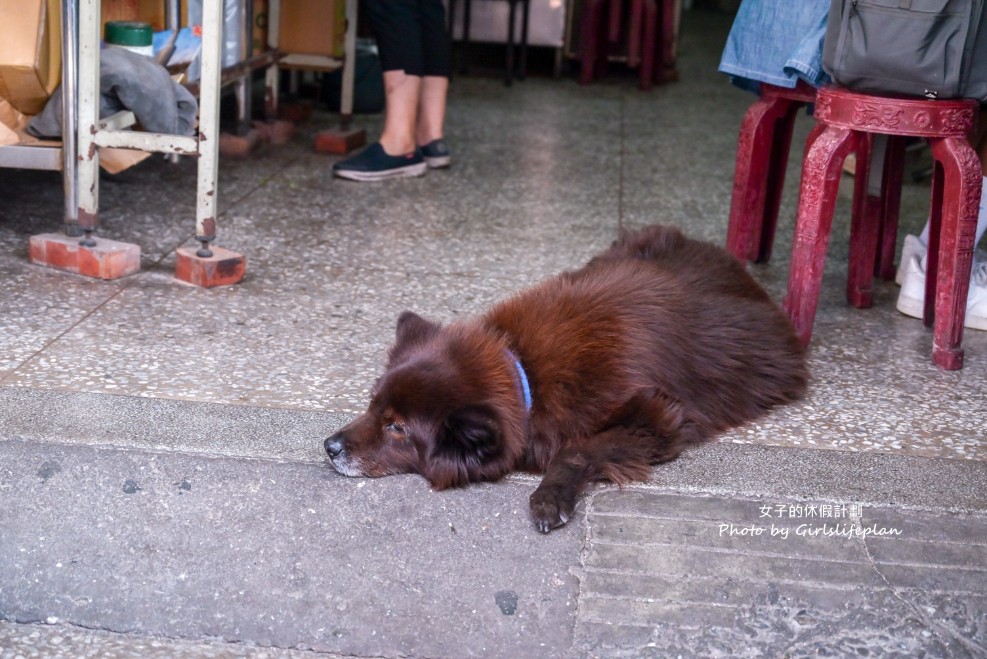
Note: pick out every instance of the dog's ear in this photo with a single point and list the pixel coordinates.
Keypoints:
(471, 435)
(412, 328)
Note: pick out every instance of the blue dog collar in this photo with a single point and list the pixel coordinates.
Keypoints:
(522, 378)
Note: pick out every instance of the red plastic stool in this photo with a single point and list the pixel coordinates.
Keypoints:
(847, 121)
(646, 29)
(759, 178)
(759, 175)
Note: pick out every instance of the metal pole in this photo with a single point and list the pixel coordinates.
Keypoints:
(173, 18)
(349, 64)
(206, 202)
(244, 87)
(70, 30)
(173, 22)
(88, 106)
(272, 78)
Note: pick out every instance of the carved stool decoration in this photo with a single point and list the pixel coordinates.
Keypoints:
(847, 121)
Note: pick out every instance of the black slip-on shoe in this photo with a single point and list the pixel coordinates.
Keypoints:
(436, 154)
(374, 164)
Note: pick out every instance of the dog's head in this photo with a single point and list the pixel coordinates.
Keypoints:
(447, 407)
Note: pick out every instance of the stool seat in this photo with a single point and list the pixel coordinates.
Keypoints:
(918, 117)
(848, 121)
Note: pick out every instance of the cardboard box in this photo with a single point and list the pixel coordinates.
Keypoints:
(12, 124)
(119, 10)
(145, 11)
(30, 52)
(312, 27)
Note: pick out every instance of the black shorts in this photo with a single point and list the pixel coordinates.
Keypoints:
(411, 36)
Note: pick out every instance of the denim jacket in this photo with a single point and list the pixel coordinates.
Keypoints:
(777, 42)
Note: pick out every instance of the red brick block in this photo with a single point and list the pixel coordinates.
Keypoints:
(223, 268)
(275, 132)
(239, 146)
(295, 111)
(109, 259)
(340, 141)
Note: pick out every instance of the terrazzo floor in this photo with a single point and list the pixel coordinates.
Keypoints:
(545, 174)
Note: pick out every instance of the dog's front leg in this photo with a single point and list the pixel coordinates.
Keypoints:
(620, 455)
(565, 478)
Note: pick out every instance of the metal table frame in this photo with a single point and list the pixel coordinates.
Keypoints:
(84, 133)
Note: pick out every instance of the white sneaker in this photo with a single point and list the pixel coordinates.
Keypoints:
(913, 247)
(911, 299)
(976, 302)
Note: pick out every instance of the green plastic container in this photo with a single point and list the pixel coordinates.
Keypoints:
(132, 35)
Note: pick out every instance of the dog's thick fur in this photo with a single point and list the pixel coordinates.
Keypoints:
(658, 342)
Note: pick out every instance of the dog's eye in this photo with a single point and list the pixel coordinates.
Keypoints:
(395, 429)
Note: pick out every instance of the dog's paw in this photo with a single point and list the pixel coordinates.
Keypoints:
(550, 508)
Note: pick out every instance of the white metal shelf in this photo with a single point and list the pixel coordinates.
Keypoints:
(84, 133)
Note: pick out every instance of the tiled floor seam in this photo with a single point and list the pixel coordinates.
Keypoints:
(771, 554)
(128, 282)
(754, 495)
(579, 569)
(945, 633)
(755, 580)
(86, 315)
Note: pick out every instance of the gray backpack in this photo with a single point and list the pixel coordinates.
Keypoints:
(931, 48)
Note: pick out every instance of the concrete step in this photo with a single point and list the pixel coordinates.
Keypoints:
(128, 522)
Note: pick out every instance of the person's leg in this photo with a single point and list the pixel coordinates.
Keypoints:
(403, 94)
(397, 29)
(437, 67)
(432, 109)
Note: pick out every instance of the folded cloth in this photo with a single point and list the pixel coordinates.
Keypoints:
(128, 81)
(777, 42)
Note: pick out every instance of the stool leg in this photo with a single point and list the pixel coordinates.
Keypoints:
(752, 175)
(777, 166)
(589, 32)
(511, 14)
(525, 14)
(665, 71)
(932, 257)
(634, 26)
(961, 182)
(894, 167)
(865, 227)
(825, 151)
(649, 36)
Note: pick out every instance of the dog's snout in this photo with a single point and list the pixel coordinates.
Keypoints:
(334, 445)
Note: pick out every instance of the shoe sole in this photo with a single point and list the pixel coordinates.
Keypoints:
(975, 322)
(438, 162)
(915, 308)
(910, 306)
(410, 171)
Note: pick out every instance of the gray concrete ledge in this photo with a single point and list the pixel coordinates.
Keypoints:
(291, 435)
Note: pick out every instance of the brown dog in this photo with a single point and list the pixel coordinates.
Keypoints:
(596, 374)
